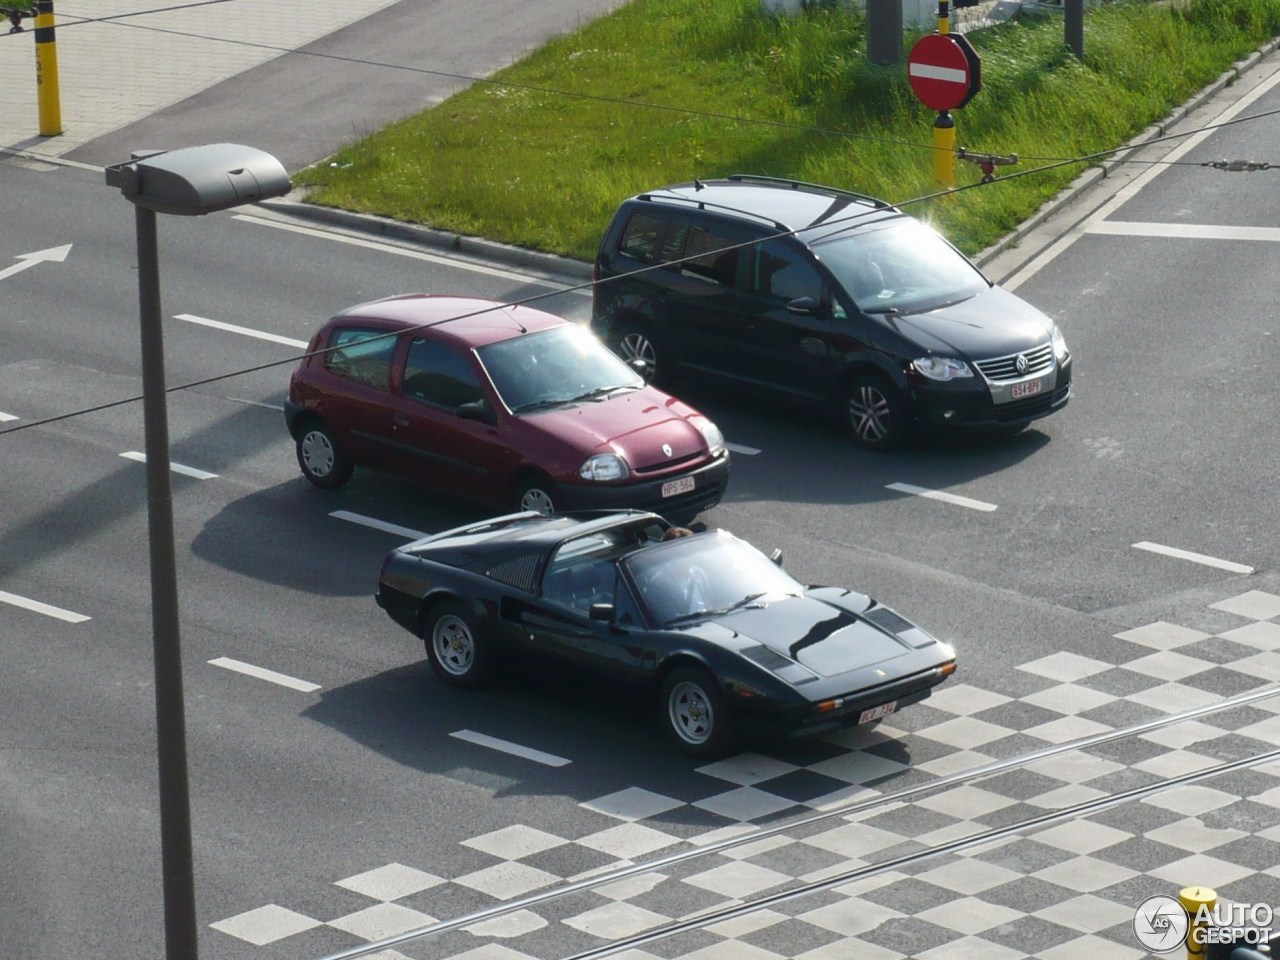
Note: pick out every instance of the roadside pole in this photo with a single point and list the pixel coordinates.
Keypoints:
(47, 71)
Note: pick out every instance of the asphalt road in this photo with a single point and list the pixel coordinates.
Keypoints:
(355, 762)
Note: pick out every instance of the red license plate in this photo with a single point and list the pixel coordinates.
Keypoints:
(673, 487)
(1025, 389)
(875, 713)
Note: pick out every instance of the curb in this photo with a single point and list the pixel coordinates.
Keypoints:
(1090, 177)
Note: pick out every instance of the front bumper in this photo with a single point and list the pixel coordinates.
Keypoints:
(969, 404)
(709, 484)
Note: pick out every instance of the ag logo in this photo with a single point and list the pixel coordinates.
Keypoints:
(1160, 924)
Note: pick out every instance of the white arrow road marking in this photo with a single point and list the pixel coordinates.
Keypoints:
(1193, 557)
(261, 673)
(53, 254)
(6, 417)
(930, 72)
(739, 448)
(515, 749)
(37, 607)
(175, 467)
(940, 495)
(245, 331)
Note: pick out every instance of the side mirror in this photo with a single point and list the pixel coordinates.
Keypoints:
(806, 307)
(476, 410)
(601, 611)
(776, 557)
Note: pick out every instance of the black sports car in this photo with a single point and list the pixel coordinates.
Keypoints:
(727, 640)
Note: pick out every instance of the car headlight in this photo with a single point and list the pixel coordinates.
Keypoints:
(604, 466)
(942, 368)
(1060, 346)
(711, 433)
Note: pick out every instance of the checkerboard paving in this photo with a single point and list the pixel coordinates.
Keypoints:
(1058, 891)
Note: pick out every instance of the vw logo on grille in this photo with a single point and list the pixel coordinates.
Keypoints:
(666, 447)
(1021, 363)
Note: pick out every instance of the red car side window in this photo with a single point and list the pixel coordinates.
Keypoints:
(361, 355)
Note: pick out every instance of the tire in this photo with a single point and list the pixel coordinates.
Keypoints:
(633, 342)
(322, 460)
(458, 653)
(694, 714)
(538, 494)
(874, 412)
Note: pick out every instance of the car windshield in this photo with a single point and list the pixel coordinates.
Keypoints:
(554, 367)
(704, 575)
(900, 267)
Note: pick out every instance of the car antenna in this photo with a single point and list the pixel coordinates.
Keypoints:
(698, 184)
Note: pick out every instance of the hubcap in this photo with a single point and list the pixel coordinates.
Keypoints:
(636, 346)
(453, 644)
(537, 499)
(690, 712)
(317, 454)
(869, 413)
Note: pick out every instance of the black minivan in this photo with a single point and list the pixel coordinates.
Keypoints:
(824, 296)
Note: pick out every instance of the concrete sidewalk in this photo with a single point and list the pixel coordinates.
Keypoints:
(297, 78)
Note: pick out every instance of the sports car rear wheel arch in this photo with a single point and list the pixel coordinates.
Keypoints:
(694, 712)
(457, 649)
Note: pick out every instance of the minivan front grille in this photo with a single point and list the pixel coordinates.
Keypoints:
(1039, 359)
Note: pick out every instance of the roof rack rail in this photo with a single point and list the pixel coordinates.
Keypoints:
(800, 184)
(706, 204)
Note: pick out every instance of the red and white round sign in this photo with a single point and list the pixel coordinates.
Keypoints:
(944, 71)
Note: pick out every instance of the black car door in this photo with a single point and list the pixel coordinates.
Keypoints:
(558, 625)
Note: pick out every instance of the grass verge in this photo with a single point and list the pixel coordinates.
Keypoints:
(663, 91)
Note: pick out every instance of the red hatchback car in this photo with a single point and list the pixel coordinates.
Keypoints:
(508, 406)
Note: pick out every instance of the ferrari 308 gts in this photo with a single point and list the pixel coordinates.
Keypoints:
(727, 641)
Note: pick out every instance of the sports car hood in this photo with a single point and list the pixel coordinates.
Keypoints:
(994, 323)
(635, 425)
(825, 638)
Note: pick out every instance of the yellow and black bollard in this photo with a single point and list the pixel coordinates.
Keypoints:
(1192, 900)
(47, 71)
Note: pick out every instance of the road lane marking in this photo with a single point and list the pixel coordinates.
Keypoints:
(279, 408)
(1189, 231)
(25, 260)
(1126, 193)
(1193, 557)
(175, 467)
(738, 448)
(35, 606)
(941, 495)
(382, 525)
(261, 673)
(243, 331)
(515, 749)
(6, 417)
(403, 252)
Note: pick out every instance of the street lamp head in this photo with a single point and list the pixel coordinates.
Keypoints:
(198, 180)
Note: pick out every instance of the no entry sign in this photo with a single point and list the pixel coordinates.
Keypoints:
(944, 70)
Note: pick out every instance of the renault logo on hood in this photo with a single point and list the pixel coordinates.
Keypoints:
(666, 447)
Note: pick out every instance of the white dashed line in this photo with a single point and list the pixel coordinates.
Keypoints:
(6, 417)
(249, 670)
(35, 606)
(378, 524)
(175, 467)
(940, 495)
(738, 448)
(243, 331)
(1186, 231)
(1193, 557)
(515, 749)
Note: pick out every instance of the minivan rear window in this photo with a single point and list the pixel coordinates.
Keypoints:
(640, 237)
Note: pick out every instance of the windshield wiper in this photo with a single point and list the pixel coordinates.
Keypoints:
(743, 604)
(540, 404)
(599, 393)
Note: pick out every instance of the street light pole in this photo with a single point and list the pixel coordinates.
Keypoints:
(191, 181)
(178, 868)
